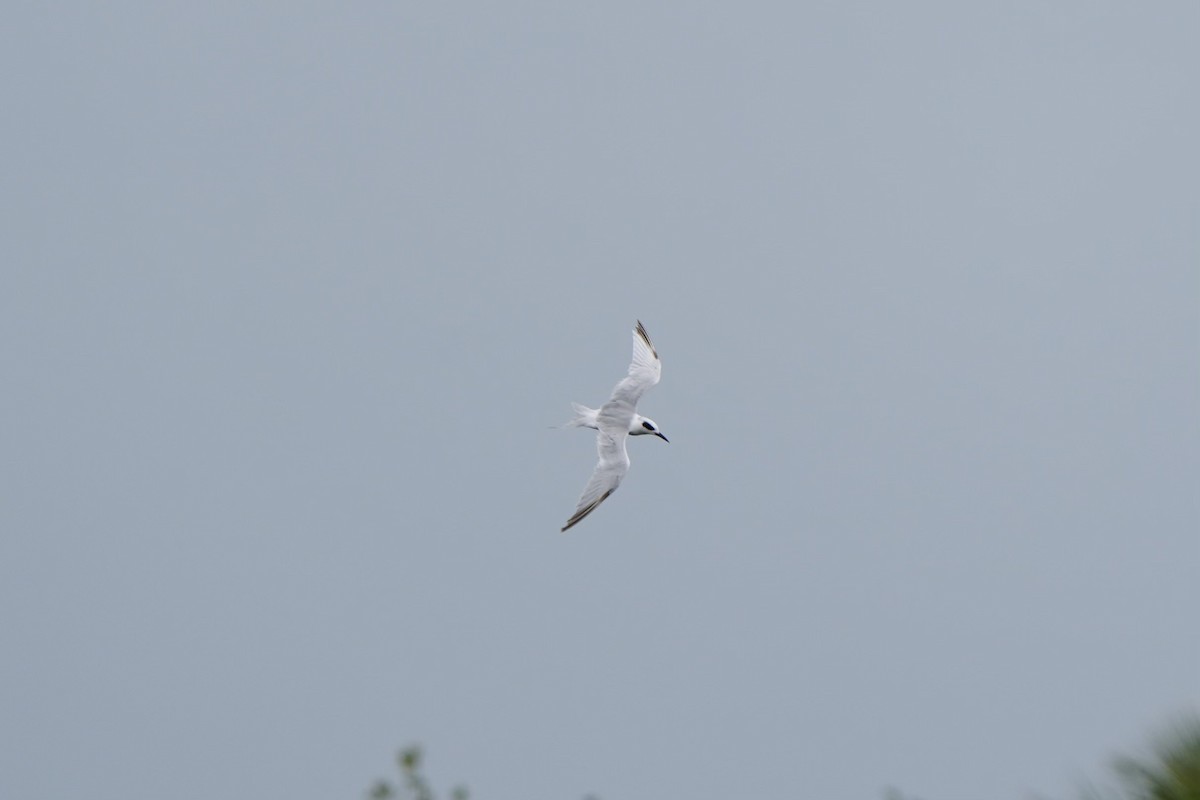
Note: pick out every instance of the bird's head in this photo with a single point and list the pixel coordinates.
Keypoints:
(644, 426)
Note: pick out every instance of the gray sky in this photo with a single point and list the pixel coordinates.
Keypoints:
(291, 294)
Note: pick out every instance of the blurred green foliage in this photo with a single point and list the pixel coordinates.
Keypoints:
(412, 784)
(1171, 772)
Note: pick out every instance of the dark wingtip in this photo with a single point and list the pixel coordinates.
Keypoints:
(641, 331)
(583, 512)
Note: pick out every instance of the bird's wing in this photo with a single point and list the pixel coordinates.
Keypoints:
(644, 372)
(610, 469)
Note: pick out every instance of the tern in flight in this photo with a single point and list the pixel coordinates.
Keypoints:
(614, 422)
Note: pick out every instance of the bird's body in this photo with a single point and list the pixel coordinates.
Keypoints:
(614, 422)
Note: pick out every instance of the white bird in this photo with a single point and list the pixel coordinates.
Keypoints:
(614, 422)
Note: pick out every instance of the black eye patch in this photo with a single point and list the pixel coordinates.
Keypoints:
(647, 426)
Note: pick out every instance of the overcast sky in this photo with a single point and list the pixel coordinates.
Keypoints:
(292, 295)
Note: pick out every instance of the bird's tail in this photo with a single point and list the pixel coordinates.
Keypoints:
(584, 417)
